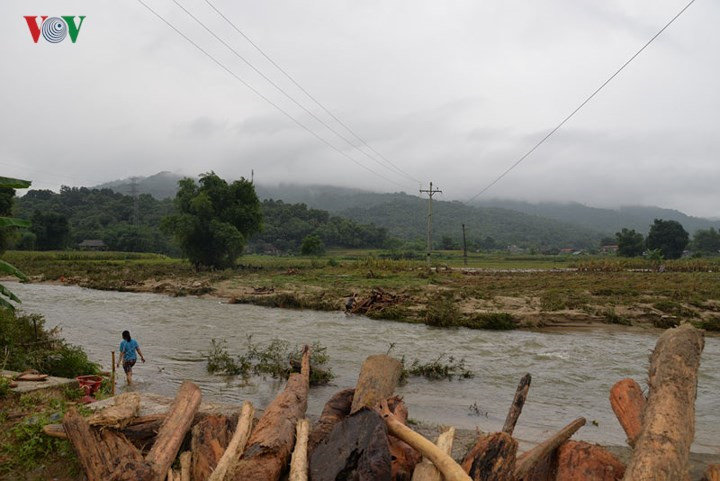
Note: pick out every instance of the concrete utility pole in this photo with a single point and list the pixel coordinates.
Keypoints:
(430, 192)
(464, 246)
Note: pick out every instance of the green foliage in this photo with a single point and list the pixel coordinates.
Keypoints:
(674, 308)
(43, 351)
(4, 386)
(630, 243)
(276, 360)
(665, 322)
(707, 241)
(710, 324)
(214, 219)
(312, 245)
(6, 225)
(52, 231)
(434, 370)
(668, 236)
(442, 311)
(496, 321)
(612, 317)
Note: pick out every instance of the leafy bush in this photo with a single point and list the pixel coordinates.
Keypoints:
(710, 325)
(436, 369)
(498, 321)
(219, 361)
(4, 387)
(442, 311)
(611, 317)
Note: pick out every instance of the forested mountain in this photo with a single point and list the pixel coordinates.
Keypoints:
(127, 223)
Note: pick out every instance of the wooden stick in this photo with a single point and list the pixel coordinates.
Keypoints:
(112, 376)
(237, 444)
(628, 403)
(185, 462)
(176, 425)
(663, 447)
(377, 381)
(530, 458)
(517, 404)
(426, 470)
(119, 415)
(445, 464)
(299, 461)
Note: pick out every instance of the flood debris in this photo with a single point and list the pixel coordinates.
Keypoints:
(377, 300)
(362, 434)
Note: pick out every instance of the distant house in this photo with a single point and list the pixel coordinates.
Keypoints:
(92, 245)
(567, 250)
(609, 249)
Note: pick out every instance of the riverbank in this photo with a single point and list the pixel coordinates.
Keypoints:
(605, 292)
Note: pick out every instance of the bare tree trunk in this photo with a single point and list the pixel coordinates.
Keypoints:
(628, 403)
(299, 461)
(662, 450)
(492, 458)
(378, 379)
(517, 404)
(237, 444)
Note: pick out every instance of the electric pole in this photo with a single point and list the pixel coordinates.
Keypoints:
(464, 246)
(430, 192)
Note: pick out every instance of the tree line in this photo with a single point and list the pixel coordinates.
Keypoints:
(668, 239)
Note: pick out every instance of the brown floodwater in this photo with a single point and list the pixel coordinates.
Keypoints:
(572, 370)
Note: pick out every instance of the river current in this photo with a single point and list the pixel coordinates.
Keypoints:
(572, 370)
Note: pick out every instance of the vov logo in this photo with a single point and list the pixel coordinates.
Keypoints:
(54, 29)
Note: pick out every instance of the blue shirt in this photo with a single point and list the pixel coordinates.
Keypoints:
(128, 349)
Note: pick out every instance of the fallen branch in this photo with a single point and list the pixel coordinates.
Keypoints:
(237, 444)
(517, 404)
(299, 460)
(426, 470)
(536, 455)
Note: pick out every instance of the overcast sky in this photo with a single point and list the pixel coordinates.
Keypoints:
(452, 92)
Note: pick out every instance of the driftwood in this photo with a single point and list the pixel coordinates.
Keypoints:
(445, 464)
(377, 300)
(580, 461)
(663, 447)
(426, 470)
(101, 452)
(299, 460)
(377, 381)
(335, 410)
(628, 403)
(356, 449)
(271, 442)
(209, 439)
(712, 473)
(125, 409)
(517, 404)
(185, 466)
(492, 458)
(140, 430)
(539, 453)
(404, 457)
(237, 444)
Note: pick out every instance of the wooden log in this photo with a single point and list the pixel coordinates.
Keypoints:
(628, 403)
(271, 442)
(185, 466)
(237, 444)
(712, 473)
(378, 379)
(426, 470)
(517, 404)
(581, 461)
(176, 425)
(119, 415)
(356, 449)
(335, 410)
(209, 439)
(445, 464)
(662, 450)
(492, 458)
(100, 453)
(299, 460)
(404, 457)
(141, 428)
(527, 460)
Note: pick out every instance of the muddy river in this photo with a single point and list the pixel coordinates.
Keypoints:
(572, 370)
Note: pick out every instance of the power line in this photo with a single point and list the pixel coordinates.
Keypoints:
(266, 99)
(542, 141)
(309, 95)
(277, 87)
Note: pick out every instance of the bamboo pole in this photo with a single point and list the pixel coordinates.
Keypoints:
(112, 376)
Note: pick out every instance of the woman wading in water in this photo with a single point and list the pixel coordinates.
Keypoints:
(129, 349)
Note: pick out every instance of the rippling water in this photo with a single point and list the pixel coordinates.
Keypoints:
(572, 371)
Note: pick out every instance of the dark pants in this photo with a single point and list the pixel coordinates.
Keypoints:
(128, 365)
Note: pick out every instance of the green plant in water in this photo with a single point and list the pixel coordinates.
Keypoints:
(497, 321)
(442, 311)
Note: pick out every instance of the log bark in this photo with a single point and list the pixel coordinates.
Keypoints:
(176, 425)
(662, 449)
(378, 379)
(209, 439)
(272, 440)
(404, 457)
(102, 453)
(185, 466)
(628, 403)
(492, 458)
(426, 470)
(536, 455)
(517, 404)
(335, 410)
(299, 460)
(712, 473)
(356, 449)
(125, 409)
(237, 444)
(445, 464)
(580, 461)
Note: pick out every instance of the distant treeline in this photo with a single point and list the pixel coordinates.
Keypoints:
(134, 224)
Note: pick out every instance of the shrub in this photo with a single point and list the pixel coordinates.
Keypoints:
(442, 312)
(665, 322)
(436, 369)
(498, 321)
(611, 317)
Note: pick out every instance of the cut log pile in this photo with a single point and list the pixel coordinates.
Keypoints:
(362, 434)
